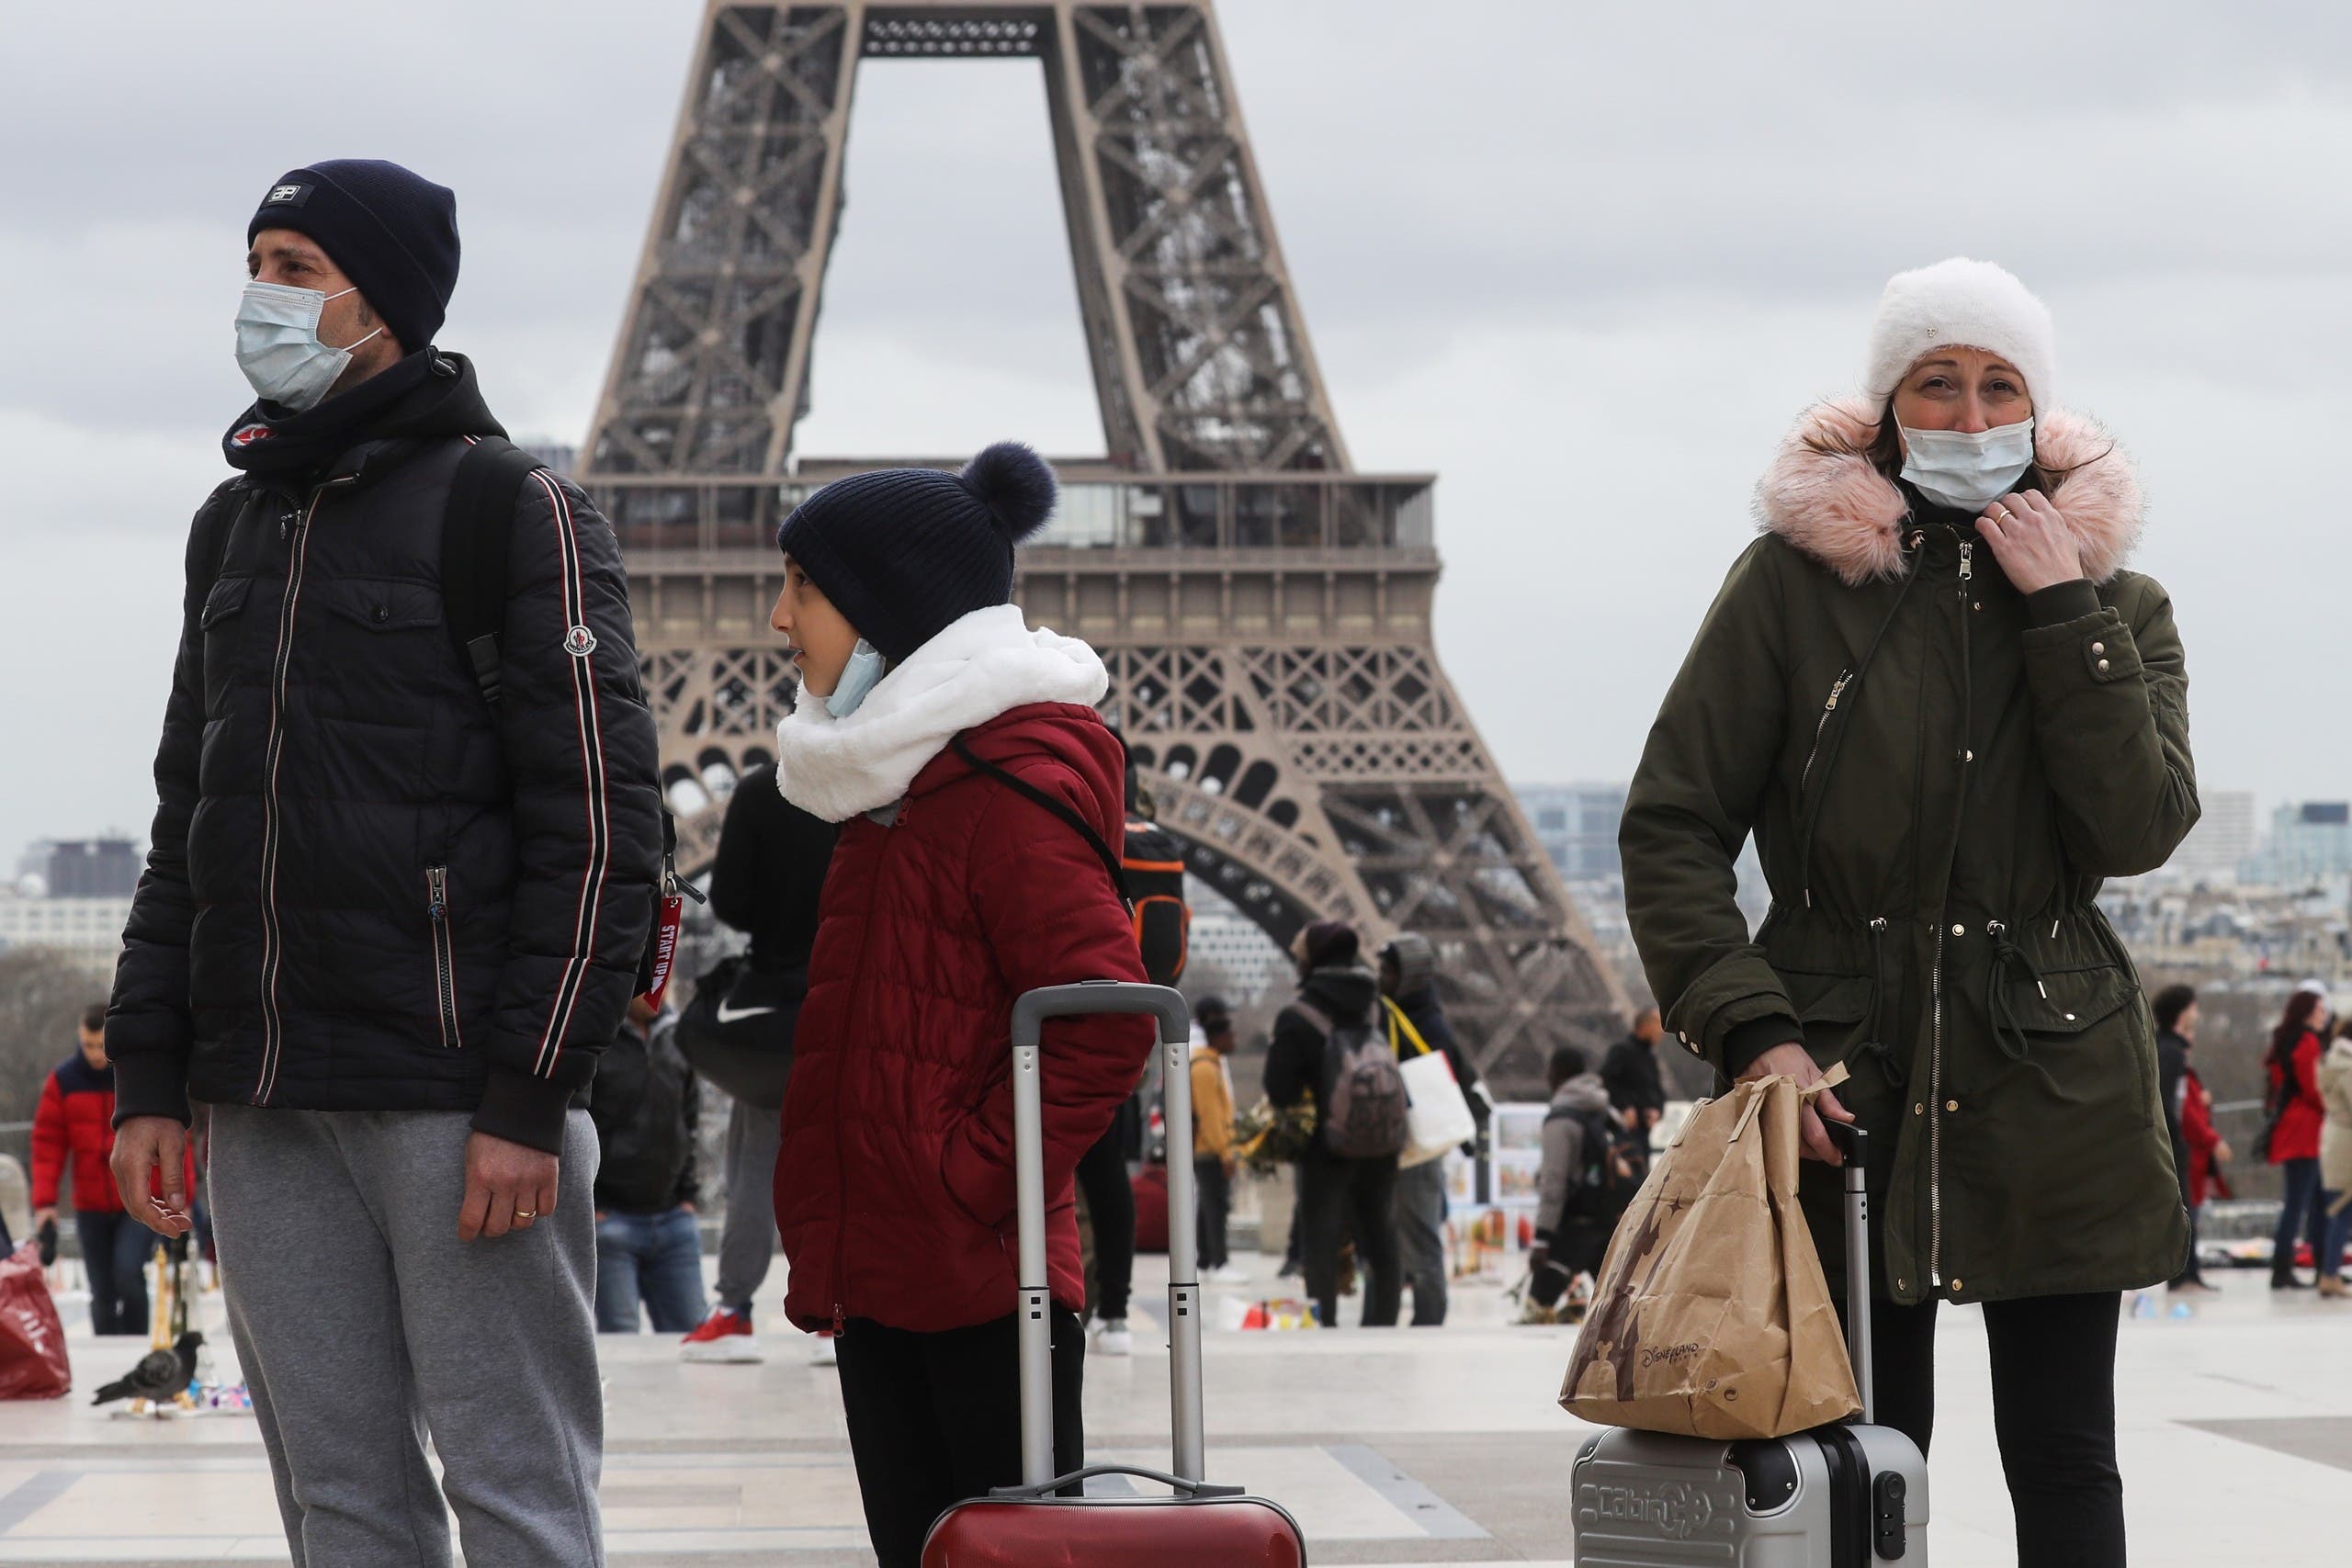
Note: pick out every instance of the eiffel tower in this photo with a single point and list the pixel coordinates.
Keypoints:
(1263, 607)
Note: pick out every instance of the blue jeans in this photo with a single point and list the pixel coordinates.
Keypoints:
(115, 1248)
(656, 1258)
(2303, 1208)
(2339, 1233)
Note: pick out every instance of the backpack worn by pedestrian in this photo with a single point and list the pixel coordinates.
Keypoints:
(1611, 1164)
(1153, 880)
(1361, 1108)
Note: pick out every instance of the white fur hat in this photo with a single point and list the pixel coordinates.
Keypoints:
(1961, 303)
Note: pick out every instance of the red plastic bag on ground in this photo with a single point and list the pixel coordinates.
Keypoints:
(32, 1340)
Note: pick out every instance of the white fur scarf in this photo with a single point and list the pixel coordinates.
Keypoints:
(985, 664)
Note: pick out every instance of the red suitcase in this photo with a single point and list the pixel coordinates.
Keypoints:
(1152, 1204)
(1029, 1526)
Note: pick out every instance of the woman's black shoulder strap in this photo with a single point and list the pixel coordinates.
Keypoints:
(475, 531)
(1022, 786)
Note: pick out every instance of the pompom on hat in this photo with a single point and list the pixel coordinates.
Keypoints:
(1961, 303)
(905, 553)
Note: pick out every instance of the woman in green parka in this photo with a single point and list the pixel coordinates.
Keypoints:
(1946, 713)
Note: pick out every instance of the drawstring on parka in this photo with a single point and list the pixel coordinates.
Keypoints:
(2009, 1034)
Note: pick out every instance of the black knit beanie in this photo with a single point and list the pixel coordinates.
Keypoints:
(904, 553)
(392, 232)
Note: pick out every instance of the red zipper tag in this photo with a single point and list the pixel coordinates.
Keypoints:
(665, 946)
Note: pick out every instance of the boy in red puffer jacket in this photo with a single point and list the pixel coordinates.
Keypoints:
(73, 1131)
(980, 797)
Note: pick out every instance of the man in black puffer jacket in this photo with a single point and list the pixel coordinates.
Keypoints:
(384, 927)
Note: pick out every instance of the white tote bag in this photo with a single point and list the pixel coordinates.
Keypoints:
(1436, 1113)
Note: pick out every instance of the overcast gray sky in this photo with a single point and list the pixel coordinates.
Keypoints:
(1584, 262)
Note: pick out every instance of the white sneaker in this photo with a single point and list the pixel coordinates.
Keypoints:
(823, 1354)
(1227, 1274)
(1110, 1336)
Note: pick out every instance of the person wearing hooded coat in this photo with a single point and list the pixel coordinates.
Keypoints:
(1338, 1196)
(979, 796)
(1946, 713)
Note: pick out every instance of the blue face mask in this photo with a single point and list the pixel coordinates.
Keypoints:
(858, 676)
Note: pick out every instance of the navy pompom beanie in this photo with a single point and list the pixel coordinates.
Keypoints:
(393, 232)
(905, 553)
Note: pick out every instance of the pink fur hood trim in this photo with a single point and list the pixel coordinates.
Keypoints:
(1845, 515)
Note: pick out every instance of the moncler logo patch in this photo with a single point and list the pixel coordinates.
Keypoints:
(580, 642)
(248, 434)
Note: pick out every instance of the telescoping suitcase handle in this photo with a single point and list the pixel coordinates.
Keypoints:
(1029, 1014)
(1851, 1141)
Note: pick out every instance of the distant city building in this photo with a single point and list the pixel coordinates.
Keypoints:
(86, 930)
(2311, 840)
(561, 456)
(91, 868)
(1576, 825)
(1229, 943)
(2218, 848)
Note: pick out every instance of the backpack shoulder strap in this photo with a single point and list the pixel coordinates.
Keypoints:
(475, 531)
(1022, 788)
(1315, 1017)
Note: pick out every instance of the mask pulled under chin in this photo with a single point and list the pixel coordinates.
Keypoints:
(1967, 470)
(866, 667)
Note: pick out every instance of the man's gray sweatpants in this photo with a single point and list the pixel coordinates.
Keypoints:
(1420, 1237)
(364, 1325)
(747, 1239)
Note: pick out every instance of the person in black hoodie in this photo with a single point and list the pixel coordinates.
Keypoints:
(1336, 1197)
(647, 1104)
(765, 881)
(387, 923)
(1408, 992)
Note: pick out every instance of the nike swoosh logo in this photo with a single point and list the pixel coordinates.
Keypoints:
(736, 1015)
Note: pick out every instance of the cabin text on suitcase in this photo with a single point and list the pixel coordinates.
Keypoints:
(1032, 1525)
(1844, 1495)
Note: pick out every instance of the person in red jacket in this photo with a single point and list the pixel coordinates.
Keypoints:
(2296, 1119)
(980, 797)
(73, 1132)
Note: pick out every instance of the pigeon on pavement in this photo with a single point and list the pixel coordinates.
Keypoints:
(160, 1374)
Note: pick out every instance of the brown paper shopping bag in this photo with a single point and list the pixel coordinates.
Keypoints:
(1712, 1318)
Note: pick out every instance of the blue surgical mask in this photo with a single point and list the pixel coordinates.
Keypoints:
(278, 346)
(858, 676)
(1969, 471)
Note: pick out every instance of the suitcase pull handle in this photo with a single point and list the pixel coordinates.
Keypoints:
(1198, 1489)
(1851, 1141)
(1030, 1011)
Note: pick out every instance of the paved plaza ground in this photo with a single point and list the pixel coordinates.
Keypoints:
(1391, 1447)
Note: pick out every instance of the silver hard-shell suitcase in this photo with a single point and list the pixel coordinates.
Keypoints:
(1847, 1495)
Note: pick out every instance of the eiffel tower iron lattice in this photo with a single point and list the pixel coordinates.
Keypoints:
(1264, 608)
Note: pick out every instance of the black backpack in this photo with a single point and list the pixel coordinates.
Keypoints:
(1611, 1162)
(1154, 867)
(1360, 1105)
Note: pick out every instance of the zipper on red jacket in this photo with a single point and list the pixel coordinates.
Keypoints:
(444, 952)
(273, 1028)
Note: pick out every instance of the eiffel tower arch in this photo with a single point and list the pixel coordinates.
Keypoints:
(1263, 606)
